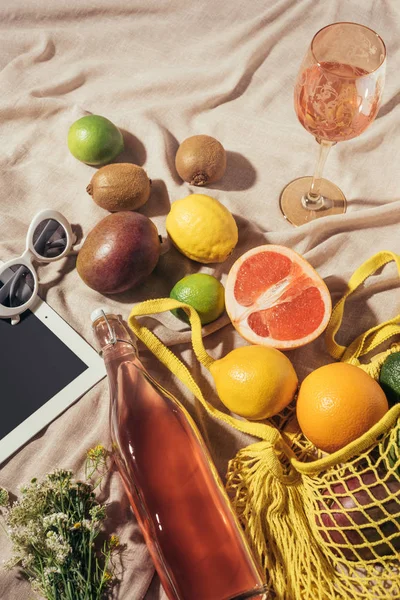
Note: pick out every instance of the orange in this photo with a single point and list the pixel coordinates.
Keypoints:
(274, 297)
(338, 403)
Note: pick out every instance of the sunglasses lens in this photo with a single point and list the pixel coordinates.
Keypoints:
(49, 238)
(16, 286)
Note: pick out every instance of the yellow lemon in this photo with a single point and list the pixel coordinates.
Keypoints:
(202, 228)
(255, 382)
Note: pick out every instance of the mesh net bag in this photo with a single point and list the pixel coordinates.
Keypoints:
(324, 527)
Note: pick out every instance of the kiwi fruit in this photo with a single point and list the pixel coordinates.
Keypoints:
(120, 186)
(200, 160)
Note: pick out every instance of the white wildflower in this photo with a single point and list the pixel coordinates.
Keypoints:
(36, 585)
(48, 539)
(27, 560)
(58, 546)
(4, 499)
(97, 512)
(54, 519)
(60, 475)
(12, 562)
(48, 572)
(31, 533)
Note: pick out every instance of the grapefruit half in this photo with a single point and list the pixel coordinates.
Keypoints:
(274, 297)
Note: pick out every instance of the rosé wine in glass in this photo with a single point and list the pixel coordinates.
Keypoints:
(335, 102)
(337, 96)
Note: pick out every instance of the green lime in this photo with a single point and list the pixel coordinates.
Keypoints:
(95, 140)
(204, 292)
(389, 378)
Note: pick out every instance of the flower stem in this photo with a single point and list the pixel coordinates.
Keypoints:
(89, 575)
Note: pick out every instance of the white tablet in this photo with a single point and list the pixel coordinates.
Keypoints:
(45, 366)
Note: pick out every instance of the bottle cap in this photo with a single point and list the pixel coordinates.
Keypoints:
(97, 313)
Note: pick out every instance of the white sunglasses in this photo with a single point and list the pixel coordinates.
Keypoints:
(49, 238)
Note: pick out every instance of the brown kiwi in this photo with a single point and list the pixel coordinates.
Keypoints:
(201, 159)
(120, 186)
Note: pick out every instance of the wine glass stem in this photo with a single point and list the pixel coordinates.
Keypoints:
(313, 198)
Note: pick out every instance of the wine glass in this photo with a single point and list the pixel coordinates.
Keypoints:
(337, 96)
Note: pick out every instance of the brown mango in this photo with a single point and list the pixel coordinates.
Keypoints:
(119, 252)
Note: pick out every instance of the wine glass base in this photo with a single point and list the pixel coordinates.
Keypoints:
(293, 201)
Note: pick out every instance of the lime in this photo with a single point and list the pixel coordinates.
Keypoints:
(389, 378)
(95, 140)
(204, 292)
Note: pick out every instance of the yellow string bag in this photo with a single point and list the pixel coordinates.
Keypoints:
(323, 527)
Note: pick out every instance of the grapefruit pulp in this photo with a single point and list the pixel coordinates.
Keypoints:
(274, 297)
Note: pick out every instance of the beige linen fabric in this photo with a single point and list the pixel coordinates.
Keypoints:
(163, 71)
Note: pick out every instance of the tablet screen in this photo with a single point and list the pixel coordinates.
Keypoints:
(34, 366)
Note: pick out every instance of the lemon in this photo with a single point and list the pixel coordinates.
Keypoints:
(204, 292)
(94, 140)
(255, 382)
(202, 228)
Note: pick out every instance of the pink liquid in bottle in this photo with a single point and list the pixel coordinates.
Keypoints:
(195, 540)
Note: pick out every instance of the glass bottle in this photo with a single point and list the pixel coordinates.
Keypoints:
(194, 538)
